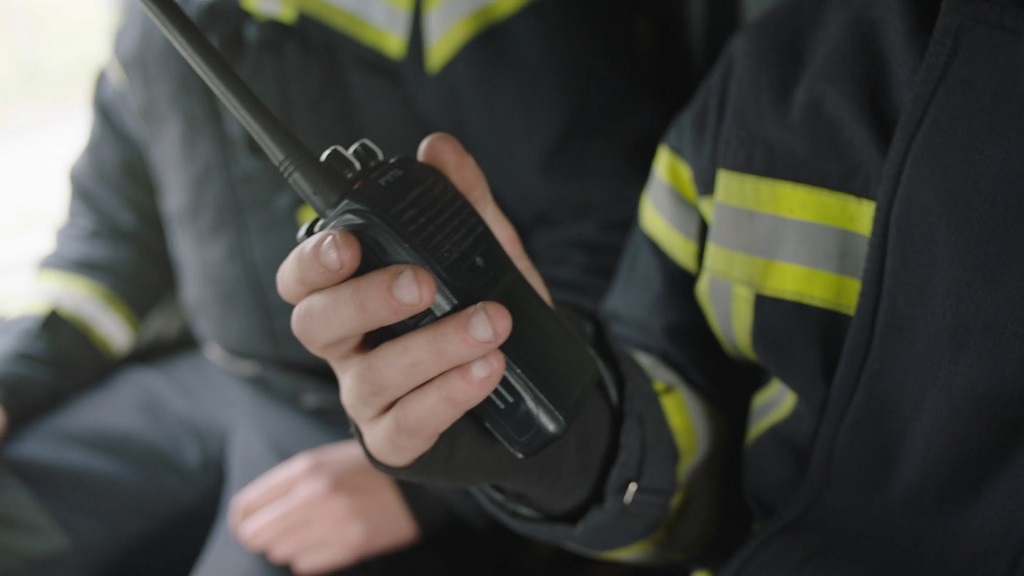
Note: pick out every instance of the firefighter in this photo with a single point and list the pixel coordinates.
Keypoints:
(814, 334)
(120, 427)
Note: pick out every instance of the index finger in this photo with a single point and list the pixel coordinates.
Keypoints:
(322, 260)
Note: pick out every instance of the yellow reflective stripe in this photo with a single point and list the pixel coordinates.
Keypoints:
(706, 207)
(283, 11)
(796, 201)
(781, 239)
(382, 25)
(685, 252)
(303, 214)
(448, 25)
(691, 447)
(729, 310)
(743, 299)
(783, 280)
(90, 306)
(771, 404)
(671, 168)
(668, 212)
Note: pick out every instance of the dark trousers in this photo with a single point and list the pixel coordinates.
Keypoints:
(134, 476)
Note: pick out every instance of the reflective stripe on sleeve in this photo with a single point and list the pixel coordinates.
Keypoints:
(99, 313)
(668, 212)
(795, 201)
(688, 420)
(730, 311)
(785, 240)
(448, 25)
(283, 11)
(788, 240)
(771, 404)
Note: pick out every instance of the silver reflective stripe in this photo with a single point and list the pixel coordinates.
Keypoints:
(285, 11)
(729, 309)
(448, 25)
(668, 213)
(441, 16)
(786, 240)
(697, 408)
(270, 8)
(394, 18)
(382, 25)
(720, 296)
(677, 212)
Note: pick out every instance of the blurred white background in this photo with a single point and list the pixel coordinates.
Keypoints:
(50, 54)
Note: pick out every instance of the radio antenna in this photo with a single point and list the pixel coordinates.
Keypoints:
(314, 183)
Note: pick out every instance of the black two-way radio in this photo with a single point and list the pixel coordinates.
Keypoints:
(404, 211)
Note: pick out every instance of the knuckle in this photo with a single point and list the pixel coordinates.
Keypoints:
(276, 555)
(379, 446)
(452, 394)
(408, 436)
(319, 486)
(359, 374)
(306, 464)
(362, 386)
(400, 426)
(356, 406)
(302, 319)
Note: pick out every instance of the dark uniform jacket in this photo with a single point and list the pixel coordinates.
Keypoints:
(559, 102)
(824, 292)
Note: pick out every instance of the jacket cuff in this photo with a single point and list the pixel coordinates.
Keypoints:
(31, 347)
(636, 493)
(436, 509)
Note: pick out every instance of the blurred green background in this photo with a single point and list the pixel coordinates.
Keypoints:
(50, 54)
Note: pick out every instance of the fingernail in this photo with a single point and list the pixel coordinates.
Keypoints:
(480, 368)
(330, 258)
(405, 289)
(480, 328)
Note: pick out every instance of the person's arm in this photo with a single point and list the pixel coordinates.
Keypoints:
(591, 490)
(672, 491)
(404, 394)
(108, 269)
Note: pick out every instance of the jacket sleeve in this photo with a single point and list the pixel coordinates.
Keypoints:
(671, 493)
(109, 268)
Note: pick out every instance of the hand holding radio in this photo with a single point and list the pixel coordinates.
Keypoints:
(406, 396)
(403, 393)
(431, 277)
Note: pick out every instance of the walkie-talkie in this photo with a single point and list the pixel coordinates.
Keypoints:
(403, 211)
